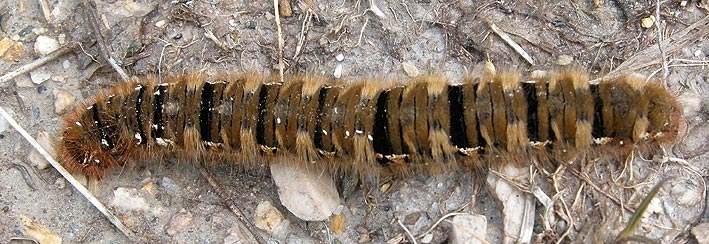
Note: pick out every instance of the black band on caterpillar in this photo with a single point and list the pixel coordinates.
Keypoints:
(366, 127)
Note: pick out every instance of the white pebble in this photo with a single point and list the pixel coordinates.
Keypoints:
(410, 69)
(308, 193)
(338, 71)
(45, 45)
(340, 57)
(62, 100)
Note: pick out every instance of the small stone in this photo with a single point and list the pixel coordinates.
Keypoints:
(701, 232)
(45, 45)
(699, 53)
(338, 71)
(340, 57)
(269, 219)
(410, 69)
(60, 183)
(308, 193)
(180, 222)
(14, 53)
(62, 100)
(39, 76)
(564, 60)
(468, 228)
(411, 219)
(647, 22)
(128, 199)
(44, 140)
(427, 238)
(517, 206)
(5, 45)
(160, 23)
(338, 224)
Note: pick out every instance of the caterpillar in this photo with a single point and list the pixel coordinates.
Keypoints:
(367, 127)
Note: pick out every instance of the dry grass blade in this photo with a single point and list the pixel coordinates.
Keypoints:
(627, 233)
(78, 186)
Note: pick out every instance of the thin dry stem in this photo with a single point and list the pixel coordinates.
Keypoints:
(75, 183)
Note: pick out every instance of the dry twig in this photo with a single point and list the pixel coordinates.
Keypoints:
(253, 236)
(512, 43)
(280, 39)
(38, 62)
(78, 186)
(93, 20)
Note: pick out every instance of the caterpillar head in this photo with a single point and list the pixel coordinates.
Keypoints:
(664, 114)
(83, 151)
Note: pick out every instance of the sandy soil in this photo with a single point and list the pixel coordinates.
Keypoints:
(379, 39)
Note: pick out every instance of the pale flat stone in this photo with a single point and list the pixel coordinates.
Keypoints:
(180, 222)
(307, 193)
(129, 199)
(515, 204)
(468, 229)
(39, 76)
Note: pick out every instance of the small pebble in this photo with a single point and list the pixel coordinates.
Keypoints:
(564, 60)
(251, 25)
(60, 183)
(45, 45)
(268, 218)
(39, 76)
(410, 69)
(160, 23)
(44, 140)
(427, 238)
(129, 199)
(337, 224)
(180, 222)
(647, 22)
(340, 57)
(62, 100)
(338, 71)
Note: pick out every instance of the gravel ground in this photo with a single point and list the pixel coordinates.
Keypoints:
(378, 39)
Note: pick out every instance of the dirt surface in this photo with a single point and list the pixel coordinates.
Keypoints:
(380, 40)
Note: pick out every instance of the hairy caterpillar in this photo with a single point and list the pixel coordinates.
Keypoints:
(367, 127)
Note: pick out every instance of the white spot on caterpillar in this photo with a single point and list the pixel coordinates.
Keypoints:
(278, 120)
(359, 132)
(90, 107)
(621, 143)
(347, 133)
(97, 161)
(77, 123)
(370, 137)
(138, 137)
(138, 87)
(154, 126)
(163, 142)
(157, 92)
(104, 142)
(324, 132)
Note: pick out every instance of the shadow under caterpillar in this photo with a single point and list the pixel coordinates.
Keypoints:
(368, 127)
